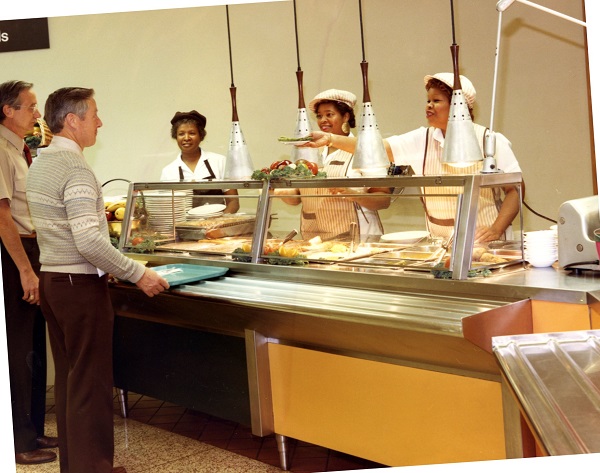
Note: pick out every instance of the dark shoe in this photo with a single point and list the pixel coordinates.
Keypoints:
(47, 442)
(34, 457)
(119, 469)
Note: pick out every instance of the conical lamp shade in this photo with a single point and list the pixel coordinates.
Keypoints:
(370, 157)
(303, 129)
(461, 147)
(238, 164)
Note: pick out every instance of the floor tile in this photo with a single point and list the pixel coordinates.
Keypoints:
(161, 437)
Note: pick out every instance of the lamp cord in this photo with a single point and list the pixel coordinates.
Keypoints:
(452, 19)
(229, 42)
(537, 213)
(296, 31)
(362, 36)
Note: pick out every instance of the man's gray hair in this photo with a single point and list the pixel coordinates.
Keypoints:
(9, 94)
(64, 101)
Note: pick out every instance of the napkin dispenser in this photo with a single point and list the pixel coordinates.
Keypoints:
(577, 220)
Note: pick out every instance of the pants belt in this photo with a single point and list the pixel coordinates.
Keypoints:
(31, 235)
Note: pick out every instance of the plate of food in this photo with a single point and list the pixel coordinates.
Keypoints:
(405, 237)
(294, 141)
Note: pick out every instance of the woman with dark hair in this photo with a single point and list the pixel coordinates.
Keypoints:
(195, 163)
(331, 218)
(422, 149)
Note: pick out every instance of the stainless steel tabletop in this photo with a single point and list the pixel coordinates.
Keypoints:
(421, 312)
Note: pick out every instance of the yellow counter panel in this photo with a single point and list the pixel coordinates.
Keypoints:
(387, 413)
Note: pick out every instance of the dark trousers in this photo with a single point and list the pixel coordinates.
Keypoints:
(26, 343)
(80, 321)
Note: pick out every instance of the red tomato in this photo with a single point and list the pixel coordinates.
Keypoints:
(269, 248)
(313, 167)
(280, 164)
(137, 241)
(265, 170)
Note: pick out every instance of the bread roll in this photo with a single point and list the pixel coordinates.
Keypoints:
(477, 252)
(490, 258)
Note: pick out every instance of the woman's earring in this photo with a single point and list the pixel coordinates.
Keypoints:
(345, 127)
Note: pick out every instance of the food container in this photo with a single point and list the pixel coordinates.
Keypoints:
(217, 227)
(507, 254)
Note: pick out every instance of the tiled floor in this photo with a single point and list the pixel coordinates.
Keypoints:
(162, 437)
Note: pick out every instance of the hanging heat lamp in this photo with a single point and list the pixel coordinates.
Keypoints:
(370, 157)
(461, 147)
(238, 164)
(302, 123)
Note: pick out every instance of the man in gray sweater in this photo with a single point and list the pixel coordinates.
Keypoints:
(67, 208)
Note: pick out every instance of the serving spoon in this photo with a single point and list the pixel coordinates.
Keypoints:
(288, 237)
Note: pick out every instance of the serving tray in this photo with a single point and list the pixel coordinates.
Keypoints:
(179, 273)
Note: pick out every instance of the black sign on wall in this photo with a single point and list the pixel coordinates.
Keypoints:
(24, 35)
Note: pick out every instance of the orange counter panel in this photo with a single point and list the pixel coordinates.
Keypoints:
(387, 413)
(594, 319)
(559, 317)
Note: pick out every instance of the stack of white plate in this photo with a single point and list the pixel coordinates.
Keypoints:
(189, 199)
(541, 247)
(165, 209)
(206, 211)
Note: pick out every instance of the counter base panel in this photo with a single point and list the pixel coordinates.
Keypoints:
(390, 414)
(194, 369)
(559, 317)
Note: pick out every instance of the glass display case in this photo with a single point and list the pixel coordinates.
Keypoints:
(381, 224)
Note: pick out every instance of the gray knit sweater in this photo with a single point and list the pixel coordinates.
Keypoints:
(67, 209)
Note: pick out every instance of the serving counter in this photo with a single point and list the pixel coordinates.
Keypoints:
(388, 363)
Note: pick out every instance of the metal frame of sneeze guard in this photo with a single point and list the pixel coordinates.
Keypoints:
(465, 218)
(137, 188)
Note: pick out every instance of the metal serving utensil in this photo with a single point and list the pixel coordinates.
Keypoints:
(444, 249)
(288, 237)
(353, 235)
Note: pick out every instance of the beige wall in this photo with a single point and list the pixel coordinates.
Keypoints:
(147, 65)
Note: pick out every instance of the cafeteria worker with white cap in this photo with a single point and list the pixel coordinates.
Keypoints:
(422, 150)
(331, 218)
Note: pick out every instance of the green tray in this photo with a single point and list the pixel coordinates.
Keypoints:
(177, 274)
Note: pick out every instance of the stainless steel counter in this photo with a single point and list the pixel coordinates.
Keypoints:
(400, 318)
(419, 312)
(556, 380)
(509, 285)
(407, 327)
